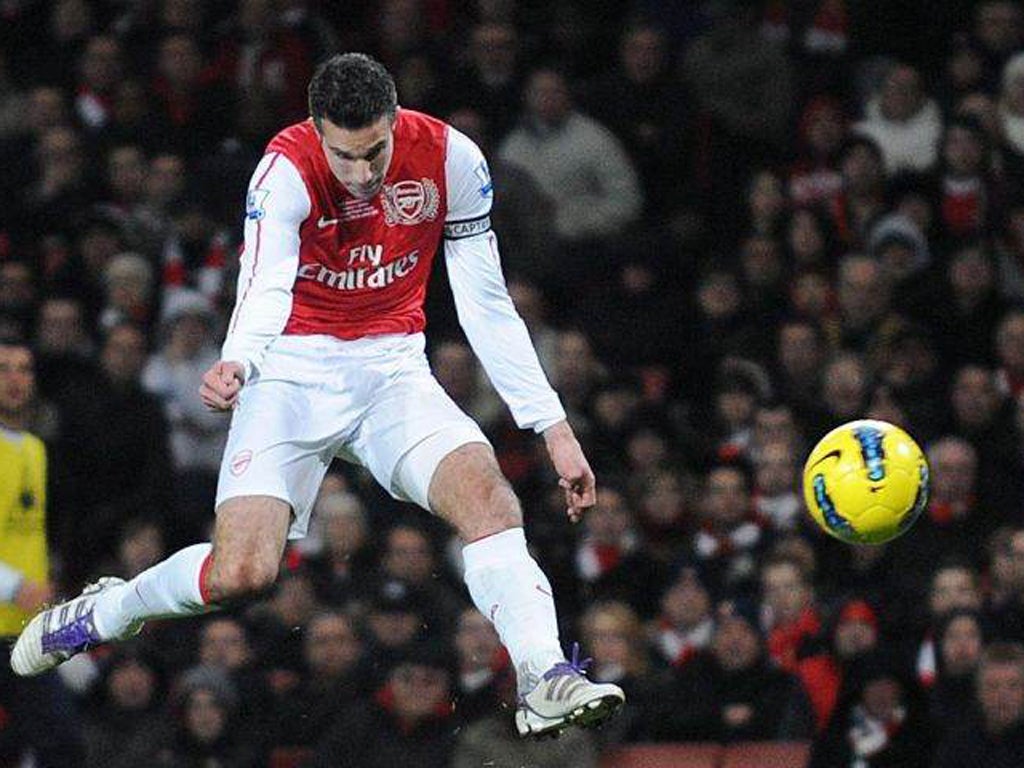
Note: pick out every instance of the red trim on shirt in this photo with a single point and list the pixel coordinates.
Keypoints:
(256, 255)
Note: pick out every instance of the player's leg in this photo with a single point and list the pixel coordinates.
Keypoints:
(243, 560)
(248, 541)
(469, 491)
(422, 448)
(273, 463)
(467, 488)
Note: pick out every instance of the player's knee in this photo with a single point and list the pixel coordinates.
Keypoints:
(243, 577)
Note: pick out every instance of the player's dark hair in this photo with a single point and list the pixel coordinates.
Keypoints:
(351, 90)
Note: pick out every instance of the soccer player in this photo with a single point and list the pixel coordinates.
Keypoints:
(324, 357)
(36, 711)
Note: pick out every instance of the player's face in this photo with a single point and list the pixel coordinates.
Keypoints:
(359, 158)
(17, 380)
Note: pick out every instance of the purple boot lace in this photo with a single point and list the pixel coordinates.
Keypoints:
(75, 636)
(572, 667)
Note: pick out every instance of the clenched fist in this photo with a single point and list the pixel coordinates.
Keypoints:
(221, 384)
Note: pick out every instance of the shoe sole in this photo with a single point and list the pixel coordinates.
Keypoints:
(591, 715)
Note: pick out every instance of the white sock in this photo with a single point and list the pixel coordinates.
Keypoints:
(169, 588)
(509, 588)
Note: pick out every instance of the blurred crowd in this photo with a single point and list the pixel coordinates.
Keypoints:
(729, 225)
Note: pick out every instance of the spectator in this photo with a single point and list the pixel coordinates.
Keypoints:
(684, 627)
(642, 103)
(1011, 115)
(969, 200)
(975, 306)
(485, 678)
(567, 153)
(18, 292)
(613, 633)
(125, 723)
(861, 198)
(729, 70)
(225, 643)
(998, 32)
(954, 587)
(141, 545)
(491, 79)
(268, 60)
(793, 618)
(799, 355)
(206, 731)
(59, 191)
(409, 556)
(731, 538)
(732, 693)
(608, 559)
(408, 721)
(455, 367)
(865, 300)
(104, 490)
(960, 640)
(904, 121)
(394, 622)
(576, 371)
(192, 113)
(981, 415)
(332, 680)
(996, 738)
(99, 69)
(197, 436)
(815, 179)
(822, 671)
(343, 564)
(128, 288)
(881, 721)
(1005, 600)
(777, 487)
(1009, 338)
(901, 250)
(844, 389)
(809, 239)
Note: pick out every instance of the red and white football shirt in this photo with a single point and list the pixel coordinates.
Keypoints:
(319, 261)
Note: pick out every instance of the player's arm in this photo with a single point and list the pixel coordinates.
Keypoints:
(276, 205)
(494, 328)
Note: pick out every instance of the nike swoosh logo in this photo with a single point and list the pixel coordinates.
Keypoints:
(323, 223)
(830, 455)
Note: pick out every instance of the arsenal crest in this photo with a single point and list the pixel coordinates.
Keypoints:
(410, 202)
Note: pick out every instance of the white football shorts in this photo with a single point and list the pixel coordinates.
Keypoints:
(371, 401)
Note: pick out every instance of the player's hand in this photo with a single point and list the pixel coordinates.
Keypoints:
(574, 474)
(221, 384)
(33, 595)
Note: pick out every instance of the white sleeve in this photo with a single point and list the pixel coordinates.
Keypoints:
(494, 328)
(276, 205)
(10, 582)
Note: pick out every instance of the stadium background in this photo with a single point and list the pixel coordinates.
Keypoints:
(729, 227)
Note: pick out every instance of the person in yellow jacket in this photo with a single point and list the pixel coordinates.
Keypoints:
(36, 716)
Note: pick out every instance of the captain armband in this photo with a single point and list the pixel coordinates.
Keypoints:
(457, 230)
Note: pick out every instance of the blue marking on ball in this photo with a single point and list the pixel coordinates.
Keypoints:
(833, 519)
(872, 451)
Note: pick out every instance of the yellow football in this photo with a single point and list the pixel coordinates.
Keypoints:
(866, 482)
